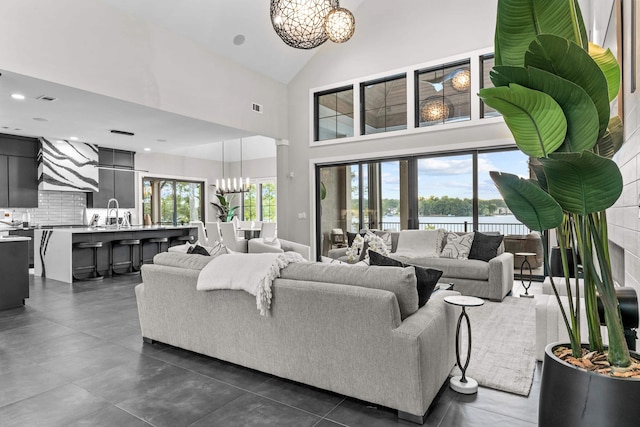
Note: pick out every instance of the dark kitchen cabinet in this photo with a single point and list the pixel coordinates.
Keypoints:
(14, 286)
(26, 233)
(18, 172)
(114, 183)
(4, 181)
(23, 182)
(125, 188)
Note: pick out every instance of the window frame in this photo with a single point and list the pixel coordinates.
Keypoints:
(363, 118)
(174, 181)
(416, 86)
(316, 112)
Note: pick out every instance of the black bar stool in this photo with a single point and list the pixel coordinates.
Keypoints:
(94, 267)
(158, 241)
(130, 262)
(181, 240)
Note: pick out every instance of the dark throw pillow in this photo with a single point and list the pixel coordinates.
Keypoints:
(484, 246)
(198, 250)
(426, 278)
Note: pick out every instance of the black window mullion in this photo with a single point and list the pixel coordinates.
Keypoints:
(475, 201)
(360, 199)
(412, 170)
(175, 203)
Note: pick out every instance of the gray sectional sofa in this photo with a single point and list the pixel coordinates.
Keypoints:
(346, 329)
(492, 280)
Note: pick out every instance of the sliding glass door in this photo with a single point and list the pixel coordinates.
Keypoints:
(171, 201)
(452, 191)
(445, 193)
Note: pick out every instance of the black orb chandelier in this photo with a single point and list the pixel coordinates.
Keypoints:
(306, 24)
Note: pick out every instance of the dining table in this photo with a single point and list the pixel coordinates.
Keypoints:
(248, 232)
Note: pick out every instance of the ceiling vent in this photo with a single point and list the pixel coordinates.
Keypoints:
(46, 98)
(256, 108)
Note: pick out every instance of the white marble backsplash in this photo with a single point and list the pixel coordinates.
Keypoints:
(54, 208)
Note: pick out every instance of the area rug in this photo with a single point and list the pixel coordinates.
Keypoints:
(503, 345)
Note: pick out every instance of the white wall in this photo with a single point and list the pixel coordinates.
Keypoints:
(91, 46)
(389, 35)
(623, 218)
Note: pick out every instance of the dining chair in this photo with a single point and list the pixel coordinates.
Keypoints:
(268, 232)
(203, 239)
(230, 238)
(213, 232)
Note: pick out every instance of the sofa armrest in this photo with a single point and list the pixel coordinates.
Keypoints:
(337, 253)
(289, 246)
(501, 276)
(427, 338)
(257, 246)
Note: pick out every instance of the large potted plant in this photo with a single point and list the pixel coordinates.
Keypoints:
(226, 212)
(554, 90)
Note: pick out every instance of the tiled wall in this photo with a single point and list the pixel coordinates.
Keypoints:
(55, 208)
(624, 216)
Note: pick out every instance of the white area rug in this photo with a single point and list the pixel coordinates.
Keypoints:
(503, 345)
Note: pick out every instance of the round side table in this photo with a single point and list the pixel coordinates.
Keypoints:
(463, 384)
(526, 261)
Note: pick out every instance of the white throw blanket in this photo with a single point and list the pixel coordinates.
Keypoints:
(252, 273)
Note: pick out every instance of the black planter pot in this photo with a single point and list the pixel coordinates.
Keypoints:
(572, 397)
(556, 262)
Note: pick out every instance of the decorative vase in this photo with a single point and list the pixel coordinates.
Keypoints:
(556, 262)
(570, 396)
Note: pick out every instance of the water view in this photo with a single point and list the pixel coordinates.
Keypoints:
(505, 224)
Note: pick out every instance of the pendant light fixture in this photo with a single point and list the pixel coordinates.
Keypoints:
(235, 184)
(306, 24)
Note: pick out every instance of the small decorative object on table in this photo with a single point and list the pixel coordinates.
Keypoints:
(525, 261)
(463, 384)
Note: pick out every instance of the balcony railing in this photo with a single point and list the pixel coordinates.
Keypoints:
(505, 228)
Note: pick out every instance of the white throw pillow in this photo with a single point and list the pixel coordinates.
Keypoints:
(386, 238)
(420, 243)
(180, 248)
(457, 247)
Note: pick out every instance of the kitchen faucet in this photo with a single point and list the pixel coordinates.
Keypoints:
(107, 220)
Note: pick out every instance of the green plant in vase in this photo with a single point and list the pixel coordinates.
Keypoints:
(554, 90)
(226, 212)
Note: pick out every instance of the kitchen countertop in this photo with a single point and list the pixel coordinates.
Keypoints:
(4, 239)
(103, 229)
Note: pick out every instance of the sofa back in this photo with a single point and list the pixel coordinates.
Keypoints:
(400, 281)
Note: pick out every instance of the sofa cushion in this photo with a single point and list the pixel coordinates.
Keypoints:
(426, 278)
(399, 281)
(485, 247)
(182, 260)
(452, 268)
(457, 246)
(420, 243)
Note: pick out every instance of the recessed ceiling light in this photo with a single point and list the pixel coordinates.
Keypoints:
(147, 149)
(238, 40)
(73, 138)
(40, 119)
(60, 141)
(17, 96)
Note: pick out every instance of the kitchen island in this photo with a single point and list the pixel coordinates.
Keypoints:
(14, 265)
(56, 257)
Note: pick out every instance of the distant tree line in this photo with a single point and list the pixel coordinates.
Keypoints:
(437, 206)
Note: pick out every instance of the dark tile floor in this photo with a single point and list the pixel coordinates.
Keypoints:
(73, 356)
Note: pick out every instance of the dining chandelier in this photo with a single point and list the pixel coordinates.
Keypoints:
(232, 184)
(306, 24)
